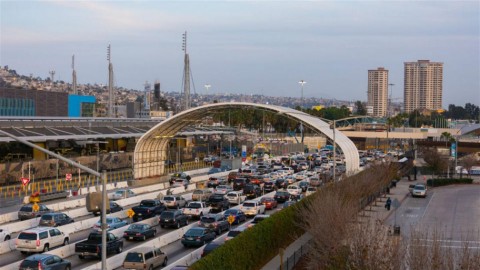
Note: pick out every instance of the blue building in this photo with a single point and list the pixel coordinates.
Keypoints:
(81, 106)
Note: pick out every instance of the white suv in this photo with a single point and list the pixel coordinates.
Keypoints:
(40, 239)
(252, 208)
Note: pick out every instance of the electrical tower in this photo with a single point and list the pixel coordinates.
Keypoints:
(110, 84)
(74, 77)
(52, 75)
(186, 75)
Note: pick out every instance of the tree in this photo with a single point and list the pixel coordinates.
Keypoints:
(435, 162)
(447, 137)
(361, 110)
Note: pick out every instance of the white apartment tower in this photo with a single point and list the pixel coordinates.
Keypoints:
(423, 85)
(378, 91)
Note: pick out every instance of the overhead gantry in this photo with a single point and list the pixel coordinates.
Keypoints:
(151, 149)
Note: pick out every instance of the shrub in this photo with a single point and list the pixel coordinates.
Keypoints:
(448, 181)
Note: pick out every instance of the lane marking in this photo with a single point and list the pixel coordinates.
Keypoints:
(428, 204)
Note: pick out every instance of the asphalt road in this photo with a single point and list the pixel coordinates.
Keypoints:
(452, 210)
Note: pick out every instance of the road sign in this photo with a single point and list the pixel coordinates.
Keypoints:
(68, 176)
(130, 213)
(25, 181)
(35, 207)
(231, 219)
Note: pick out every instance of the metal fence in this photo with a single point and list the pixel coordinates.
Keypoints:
(293, 259)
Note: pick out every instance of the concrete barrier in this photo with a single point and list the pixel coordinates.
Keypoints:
(187, 260)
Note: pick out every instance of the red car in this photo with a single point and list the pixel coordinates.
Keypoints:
(269, 202)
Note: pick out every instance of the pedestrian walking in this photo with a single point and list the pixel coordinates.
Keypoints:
(388, 203)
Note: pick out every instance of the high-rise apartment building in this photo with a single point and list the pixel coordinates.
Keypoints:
(378, 92)
(423, 84)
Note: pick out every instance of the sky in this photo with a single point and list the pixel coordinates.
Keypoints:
(246, 47)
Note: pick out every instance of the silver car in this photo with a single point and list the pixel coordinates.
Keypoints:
(27, 211)
(121, 194)
(174, 201)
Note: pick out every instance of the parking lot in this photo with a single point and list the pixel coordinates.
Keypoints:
(454, 211)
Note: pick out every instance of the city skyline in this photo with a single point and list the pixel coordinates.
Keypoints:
(246, 47)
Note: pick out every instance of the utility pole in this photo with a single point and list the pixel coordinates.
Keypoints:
(389, 101)
(302, 82)
(186, 75)
(111, 97)
(74, 77)
(334, 152)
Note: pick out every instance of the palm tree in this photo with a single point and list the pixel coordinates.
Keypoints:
(447, 137)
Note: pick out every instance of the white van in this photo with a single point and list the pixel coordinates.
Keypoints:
(294, 190)
(41, 239)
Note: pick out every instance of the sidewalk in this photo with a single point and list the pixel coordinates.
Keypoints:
(375, 211)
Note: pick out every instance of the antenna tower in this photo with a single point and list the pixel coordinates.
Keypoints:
(52, 75)
(110, 84)
(186, 75)
(74, 77)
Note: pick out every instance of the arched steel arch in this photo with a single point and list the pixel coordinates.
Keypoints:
(151, 149)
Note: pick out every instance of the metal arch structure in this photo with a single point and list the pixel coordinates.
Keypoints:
(151, 149)
(350, 122)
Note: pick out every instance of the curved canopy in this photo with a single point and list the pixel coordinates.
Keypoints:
(151, 149)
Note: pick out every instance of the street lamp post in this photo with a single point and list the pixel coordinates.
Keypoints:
(302, 82)
(207, 86)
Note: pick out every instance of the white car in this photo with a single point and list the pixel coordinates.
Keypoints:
(223, 189)
(419, 191)
(4, 235)
(294, 190)
(252, 208)
(40, 239)
(235, 197)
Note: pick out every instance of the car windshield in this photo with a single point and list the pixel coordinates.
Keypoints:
(233, 233)
(194, 205)
(134, 257)
(135, 227)
(194, 232)
(207, 219)
(29, 264)
(120, 192)
(27, 236)
(419, 187)
(232, 195)
(168, 198)
(166, 214)
(230, 212)
(47, 217)
(249, 204)
(215, 198)
(147, 203)
(26, 208)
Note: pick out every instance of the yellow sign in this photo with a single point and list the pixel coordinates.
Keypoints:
(231, 219)
(35, 207)
(130, 213)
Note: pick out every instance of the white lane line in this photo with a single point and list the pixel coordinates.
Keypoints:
(448, 241)
(428, 204)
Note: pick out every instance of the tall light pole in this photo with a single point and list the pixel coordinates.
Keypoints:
(389, 99)
(207, 86)
(302, 82)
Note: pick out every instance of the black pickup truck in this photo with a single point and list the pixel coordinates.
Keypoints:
(93, 245)
(148, 209)
(218, 203)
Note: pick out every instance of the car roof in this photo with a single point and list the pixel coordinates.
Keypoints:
(141, 249)
(37, 230)
(36, 257)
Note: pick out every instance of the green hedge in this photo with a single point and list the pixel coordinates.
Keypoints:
(256, 246)
(448, 181)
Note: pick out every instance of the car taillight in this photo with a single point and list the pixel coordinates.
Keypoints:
(98, 249)
(144, 266)
(38, 243)
(39, 265)
(124, 234)
(138, 234)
